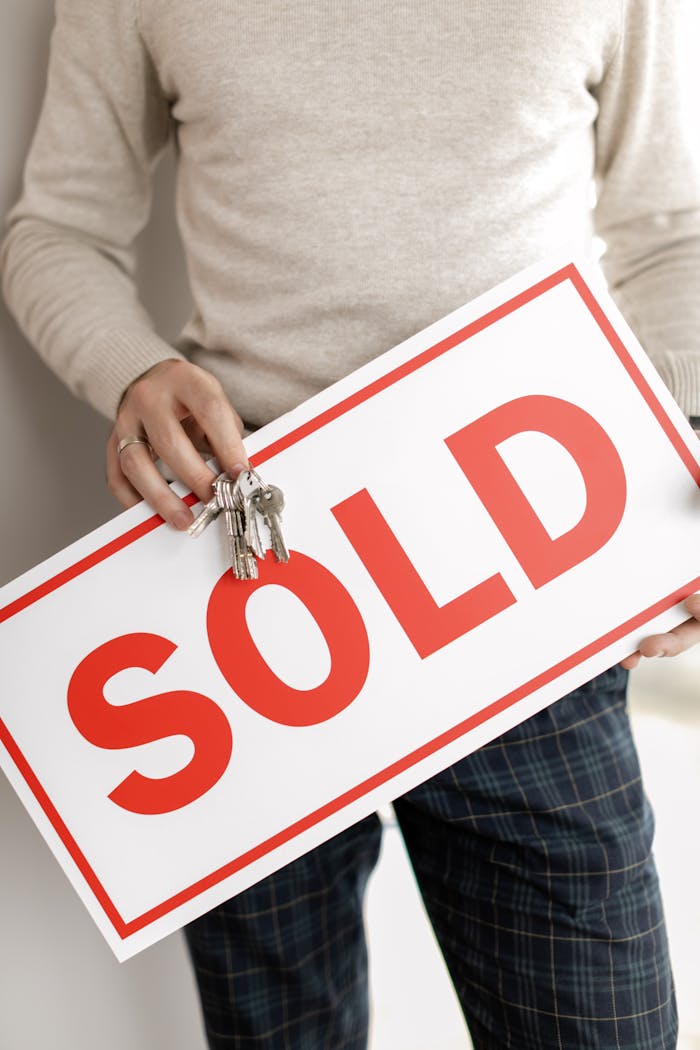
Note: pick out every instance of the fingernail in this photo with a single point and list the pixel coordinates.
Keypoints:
(182, 519)
(237, 469)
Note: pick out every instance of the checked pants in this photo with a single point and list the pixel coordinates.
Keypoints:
(534, 859)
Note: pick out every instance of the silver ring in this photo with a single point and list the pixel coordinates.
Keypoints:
(133, 439)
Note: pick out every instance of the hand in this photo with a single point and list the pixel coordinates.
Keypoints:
(676, 641)
(180, 408)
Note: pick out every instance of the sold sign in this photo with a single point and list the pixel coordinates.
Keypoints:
(479, 520)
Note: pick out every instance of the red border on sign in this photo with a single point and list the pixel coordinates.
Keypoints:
(125, 929)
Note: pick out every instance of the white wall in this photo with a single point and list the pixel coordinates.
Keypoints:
(59, 984)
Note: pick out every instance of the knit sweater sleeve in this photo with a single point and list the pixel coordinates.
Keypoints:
(67, 255)
(648, 206)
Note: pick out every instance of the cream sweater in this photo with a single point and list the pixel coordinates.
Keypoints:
(348, 172)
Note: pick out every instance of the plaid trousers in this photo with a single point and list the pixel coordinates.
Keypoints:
(534, 858)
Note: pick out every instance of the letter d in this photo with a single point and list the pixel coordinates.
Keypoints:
(475, 449)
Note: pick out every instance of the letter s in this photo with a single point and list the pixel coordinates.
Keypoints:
(178, 712)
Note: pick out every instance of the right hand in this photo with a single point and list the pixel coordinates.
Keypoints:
(182, 410)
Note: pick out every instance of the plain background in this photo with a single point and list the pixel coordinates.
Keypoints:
(60, 986)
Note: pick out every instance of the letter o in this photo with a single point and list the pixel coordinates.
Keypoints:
(250, 677)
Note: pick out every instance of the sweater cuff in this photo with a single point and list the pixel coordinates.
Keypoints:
(680, 372)
(121, 356)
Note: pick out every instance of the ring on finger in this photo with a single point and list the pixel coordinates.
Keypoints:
(134, 439)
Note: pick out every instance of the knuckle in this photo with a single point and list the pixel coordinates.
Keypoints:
(207, 381)
(119, 421)
(165, 444)
(144, 396)
(201, 480)
(211, 406)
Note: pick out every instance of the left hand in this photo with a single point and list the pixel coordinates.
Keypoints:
(676, 641)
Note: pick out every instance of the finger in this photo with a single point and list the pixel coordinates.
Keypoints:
(117, 484)
(631, 661)
(207, 403)
(172, 444)
(140, 472)
(672, 642)
(152, 407)
(197, 436)
(158, 403)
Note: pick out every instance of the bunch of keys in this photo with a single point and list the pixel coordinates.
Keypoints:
(246, 503)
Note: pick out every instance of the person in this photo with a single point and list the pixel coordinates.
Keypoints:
(348, 173)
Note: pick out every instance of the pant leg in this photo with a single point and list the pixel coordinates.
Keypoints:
(283, 965)
(534, 859)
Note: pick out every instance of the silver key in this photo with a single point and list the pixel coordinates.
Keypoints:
(241, 502)
(205, 517)
(269, 502)
(252, 532)
(247, 484)
(221, 490)
(243, 562)
(207, 514)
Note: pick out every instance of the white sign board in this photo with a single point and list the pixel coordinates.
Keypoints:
(480, 520)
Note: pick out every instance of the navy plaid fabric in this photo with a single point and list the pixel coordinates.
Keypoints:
(534, 859)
